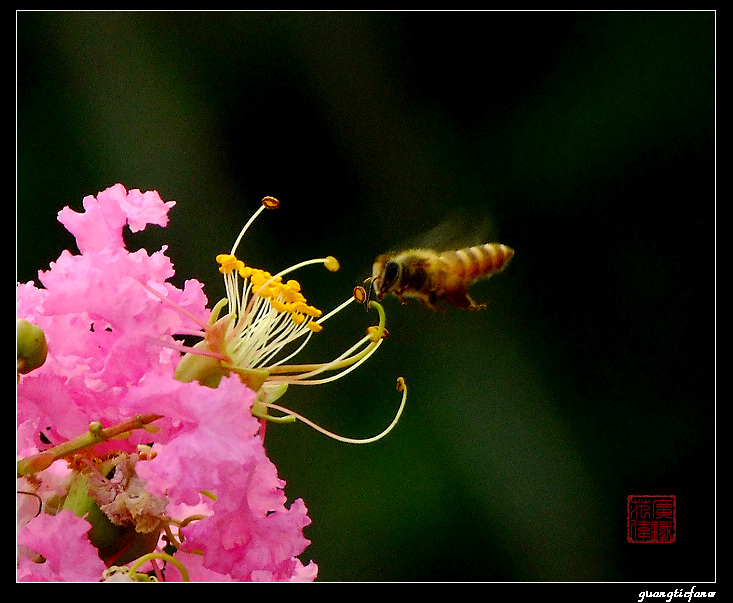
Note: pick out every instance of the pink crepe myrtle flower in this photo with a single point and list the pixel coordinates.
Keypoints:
(62, 541)
(137, 462)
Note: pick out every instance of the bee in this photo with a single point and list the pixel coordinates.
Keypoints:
(432, 276)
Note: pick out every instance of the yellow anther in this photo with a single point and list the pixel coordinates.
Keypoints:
(291, 295)
(303, 308)
(259, 277)
(229, 263)
(331, 264)
(312, 311)
(293, 284)
(314, 326)
(374, 335)
(279, 306)
(297, 317)
(245, 271)
(360, 294)
(270, 202)
(300, 306)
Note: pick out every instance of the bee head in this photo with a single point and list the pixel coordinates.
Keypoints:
(389, 275)
(385, 273)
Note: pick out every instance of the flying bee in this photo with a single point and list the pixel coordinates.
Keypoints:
(432, 276)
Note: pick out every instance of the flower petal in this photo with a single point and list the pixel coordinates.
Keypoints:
(63, 542)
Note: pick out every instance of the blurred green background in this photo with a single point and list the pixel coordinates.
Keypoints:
(583, 140)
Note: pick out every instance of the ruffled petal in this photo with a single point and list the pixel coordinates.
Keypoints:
(67, 554)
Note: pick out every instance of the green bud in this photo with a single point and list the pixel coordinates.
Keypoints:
(31, 347)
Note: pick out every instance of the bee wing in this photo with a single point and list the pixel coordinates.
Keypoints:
(457, 230)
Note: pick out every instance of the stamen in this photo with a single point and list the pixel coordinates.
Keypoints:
(331, 264)
(229, 263)
(336, 310)
(261, 281)
(303, 372)
(270, 202)
(360, 294)
(265, 315)
(401, 387)
(267, 203)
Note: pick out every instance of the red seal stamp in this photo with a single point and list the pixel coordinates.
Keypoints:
(651, 518)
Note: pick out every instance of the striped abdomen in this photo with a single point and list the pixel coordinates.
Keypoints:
(472, 263)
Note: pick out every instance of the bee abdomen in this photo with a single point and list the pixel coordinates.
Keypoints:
(475, 262)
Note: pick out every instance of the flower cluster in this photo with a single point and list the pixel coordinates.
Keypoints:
(136, 462)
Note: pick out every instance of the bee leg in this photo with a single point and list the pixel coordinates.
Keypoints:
(463, 300)
(431, 301)
(472, 305)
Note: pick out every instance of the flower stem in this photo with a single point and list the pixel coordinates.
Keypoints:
(95, 435)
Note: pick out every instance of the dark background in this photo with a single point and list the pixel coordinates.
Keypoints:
(583, 140)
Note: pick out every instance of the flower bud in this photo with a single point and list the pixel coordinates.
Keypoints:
(31, 346)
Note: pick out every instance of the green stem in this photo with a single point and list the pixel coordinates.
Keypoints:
(95, 435)
(163, 557)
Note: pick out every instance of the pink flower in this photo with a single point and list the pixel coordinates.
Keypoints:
(112, 356)
(62, 541)
(98, 318)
